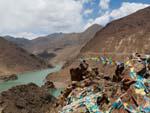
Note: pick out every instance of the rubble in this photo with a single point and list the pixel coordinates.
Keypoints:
(127, 90)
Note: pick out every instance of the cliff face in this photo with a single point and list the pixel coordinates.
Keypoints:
(128, 34)
(14, 59)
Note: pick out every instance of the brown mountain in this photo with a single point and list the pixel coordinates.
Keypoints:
(58, 41)
(60, 46)
(127, 35)
(57, 47)
(14, 59)
(20, 41)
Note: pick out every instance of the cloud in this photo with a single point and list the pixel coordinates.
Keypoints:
(88, 12)
(86, 1)
(32, 18)
(125, 9)
(104, 4)
(40, 16)
(28, 35)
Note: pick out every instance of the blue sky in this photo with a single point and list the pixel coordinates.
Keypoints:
(117, 3)
(104, 11)
(33, 18)
(113, 4)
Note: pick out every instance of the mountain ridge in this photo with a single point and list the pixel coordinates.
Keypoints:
(125, 30)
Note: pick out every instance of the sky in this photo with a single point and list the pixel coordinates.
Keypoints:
(34, 18)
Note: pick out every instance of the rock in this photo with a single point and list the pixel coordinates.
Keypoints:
(26, 99)
(8, 77)
(48, 85)
(107, 77)
(76, 74)
(21, 103)
(79, 73)
(82, 72)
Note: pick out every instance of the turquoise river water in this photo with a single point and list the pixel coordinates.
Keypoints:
(37, 77)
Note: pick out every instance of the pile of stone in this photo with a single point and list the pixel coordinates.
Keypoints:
(127, 90)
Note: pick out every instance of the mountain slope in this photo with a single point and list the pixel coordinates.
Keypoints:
(15, 60)
(63, 46)
(128, 34)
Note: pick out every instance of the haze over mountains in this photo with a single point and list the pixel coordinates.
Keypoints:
(14, 59)
(59, 46)
(129, 34)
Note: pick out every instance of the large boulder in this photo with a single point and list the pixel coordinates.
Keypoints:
(76, 74)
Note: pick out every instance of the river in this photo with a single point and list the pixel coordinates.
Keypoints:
(37, 77)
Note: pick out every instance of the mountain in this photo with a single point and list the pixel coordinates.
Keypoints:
(19, 41)
(14, 59)
(57, 47)
(58, 41)
(129, 34)
(62, 46)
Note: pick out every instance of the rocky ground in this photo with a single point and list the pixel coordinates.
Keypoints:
(96, 92)
(26, 99)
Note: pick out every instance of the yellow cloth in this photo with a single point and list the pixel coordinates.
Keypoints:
(140, 91)
(132, 69)
(125, 104)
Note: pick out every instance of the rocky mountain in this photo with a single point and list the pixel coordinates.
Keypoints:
(14, 59)
(57, 47)
(126, 35)
(62, 46)
(57, 41)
